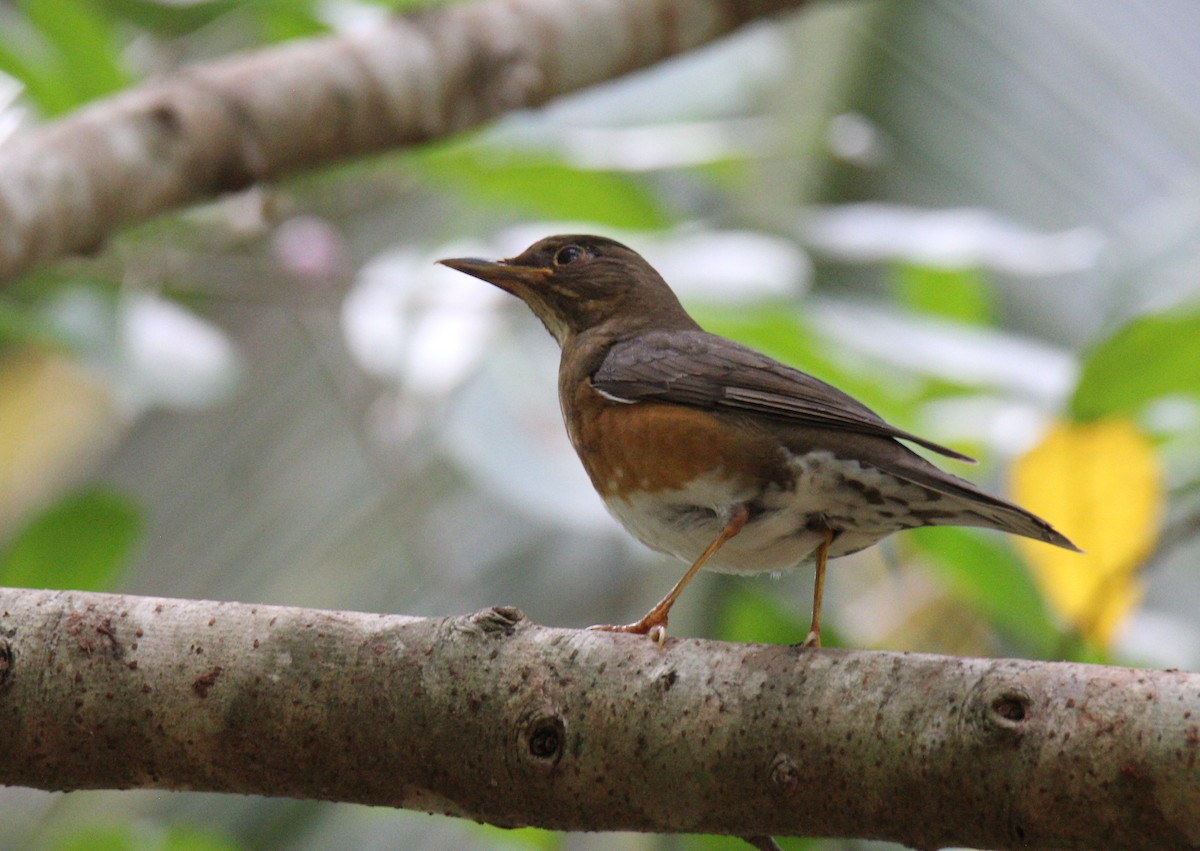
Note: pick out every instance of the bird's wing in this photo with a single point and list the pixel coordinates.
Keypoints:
(702, 370)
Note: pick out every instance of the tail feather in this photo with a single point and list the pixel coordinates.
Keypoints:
(994, 513)
(953, 501)
(974, 506)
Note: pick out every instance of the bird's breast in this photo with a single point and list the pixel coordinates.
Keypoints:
(673, 477)
(656, 447)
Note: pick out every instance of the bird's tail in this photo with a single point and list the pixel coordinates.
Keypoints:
(982, 509)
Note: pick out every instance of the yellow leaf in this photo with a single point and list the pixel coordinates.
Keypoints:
(55, 421)
(1100, 484)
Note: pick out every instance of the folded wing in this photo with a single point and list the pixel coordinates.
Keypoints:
(702, 370)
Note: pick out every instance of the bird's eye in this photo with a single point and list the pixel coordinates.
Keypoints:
(567, 255)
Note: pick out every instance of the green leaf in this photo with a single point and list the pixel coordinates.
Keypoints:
(15, 64)
(86, 46)
(532, 838)
(44, 86)
(98, 837)
(134, 837)
(540, 185)
(988, 574)
(19, 324)
(1152, 356)
(751, 613)
(282, 20)
(79, 543)
(190, 838)
(168, 19)
(959, 294)
(757, 610)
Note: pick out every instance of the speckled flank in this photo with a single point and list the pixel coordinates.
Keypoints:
(682, 521)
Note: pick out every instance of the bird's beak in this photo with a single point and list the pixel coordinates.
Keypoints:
(501, 273)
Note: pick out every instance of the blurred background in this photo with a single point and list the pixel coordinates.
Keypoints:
(981, 218)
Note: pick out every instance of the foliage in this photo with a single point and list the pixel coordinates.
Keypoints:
(68, 52)
(128, 837)
(1102, 482)
(81, 542)
(539, 186)
(985, 572)
(959, 294)
(1095, 472)
(1152, 356)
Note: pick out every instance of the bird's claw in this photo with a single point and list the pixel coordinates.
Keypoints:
(654, 629)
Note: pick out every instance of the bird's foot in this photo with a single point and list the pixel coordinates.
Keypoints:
(813, 640)
(653, 627)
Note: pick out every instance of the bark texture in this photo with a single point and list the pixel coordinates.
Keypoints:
(222, 126)
(493, 718)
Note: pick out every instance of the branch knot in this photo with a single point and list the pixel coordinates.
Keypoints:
(498, 619)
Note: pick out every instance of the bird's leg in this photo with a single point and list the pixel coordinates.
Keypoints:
(814, 631)
(654, 622)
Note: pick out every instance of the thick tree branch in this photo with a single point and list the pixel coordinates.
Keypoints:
(224, 125)
(493, 718)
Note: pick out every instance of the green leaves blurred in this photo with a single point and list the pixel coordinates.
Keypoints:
(539, 185)
(69, 52)
(989, 575)
(81, 542)
(962, 295)
(531, 838)
(75, 57)
(1155, 355)
(751, 612)
(18, 325)
(131, 837)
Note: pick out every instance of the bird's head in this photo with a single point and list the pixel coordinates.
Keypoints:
(575, 282)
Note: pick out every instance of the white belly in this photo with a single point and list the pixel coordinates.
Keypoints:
(781, 532)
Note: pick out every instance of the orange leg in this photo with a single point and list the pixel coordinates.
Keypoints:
(654, 622)
(814, 631)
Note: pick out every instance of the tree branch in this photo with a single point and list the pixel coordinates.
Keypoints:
(223, 125)
(492, 718)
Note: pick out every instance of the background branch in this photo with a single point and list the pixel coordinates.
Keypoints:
(493, 718)
(223, 125)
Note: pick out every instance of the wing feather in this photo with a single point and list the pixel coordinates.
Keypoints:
(703, 370)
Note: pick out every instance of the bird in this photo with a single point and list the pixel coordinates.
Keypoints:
(715, 453)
